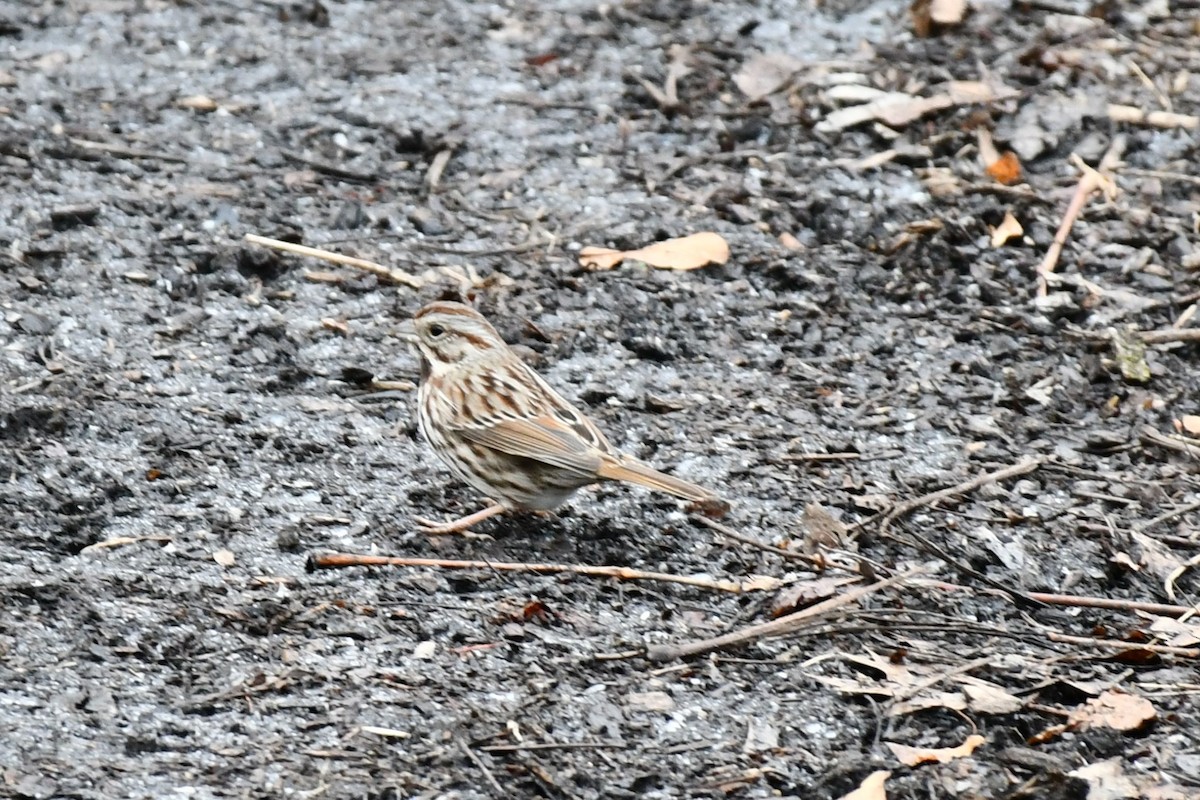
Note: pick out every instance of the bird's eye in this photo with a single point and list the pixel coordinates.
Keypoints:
(436, 331)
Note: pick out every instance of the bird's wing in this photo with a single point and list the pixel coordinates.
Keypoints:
(523, 416)
(544, 439)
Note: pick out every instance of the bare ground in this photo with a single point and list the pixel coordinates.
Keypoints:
(198, 406)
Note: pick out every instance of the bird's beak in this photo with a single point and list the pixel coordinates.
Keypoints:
(408, 333)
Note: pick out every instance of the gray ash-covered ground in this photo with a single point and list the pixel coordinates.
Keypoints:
(195, 403)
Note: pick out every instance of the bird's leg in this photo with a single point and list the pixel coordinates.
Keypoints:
(461, 524)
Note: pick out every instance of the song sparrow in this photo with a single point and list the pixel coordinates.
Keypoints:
(503, 430)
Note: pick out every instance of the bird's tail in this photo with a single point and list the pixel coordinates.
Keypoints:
(633, 471)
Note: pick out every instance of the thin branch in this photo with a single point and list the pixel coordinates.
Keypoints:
(817, 562)
(387, 273)
(907, 507)
(121, 151)
(478, 762)
(1090, 182)
(1180, 444)
(340, 560)
(1117, 644)
(516, 748)
(1114, 604)
(776, 627)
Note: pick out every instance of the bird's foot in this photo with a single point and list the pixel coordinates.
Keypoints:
(461, 525)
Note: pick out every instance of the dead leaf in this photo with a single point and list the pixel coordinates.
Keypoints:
(764, 74)
(225, 558)
(987, 698)
(821, 529)
(872, 787)
(1106, 780)
(1155, 557)
(1191, 424)
(914, 756)
(800, 595)
(761, 736)
(1008, 229)
(929, 16)
(953, 701)
(336, 325)
(688, 252)
(760, 583)
(649, 701)
(897, 108)
(792, 243)
(1181, 634)
(1006, 169)
(947, 12)
(962, 92)
(1113, 709)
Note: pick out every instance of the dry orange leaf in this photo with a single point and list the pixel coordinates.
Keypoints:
(1006, 169)
(689, 252)
(871, 788)
(913, 756)
(1112, 709)
(1008, 228)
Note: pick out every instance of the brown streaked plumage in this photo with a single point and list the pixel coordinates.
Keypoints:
(503, 430)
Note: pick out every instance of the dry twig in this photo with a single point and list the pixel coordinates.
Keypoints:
(966, 487)
(1117, 644)
(1090, 182)
(387, 273)
(478, 762)
(1180, 444)
(1114, 604)
(339, 560)
(776, 627)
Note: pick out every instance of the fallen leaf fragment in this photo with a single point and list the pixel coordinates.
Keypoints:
(989, 699)
(1158, 119)
(1191, 424)
(790, 242)
(1182, 634)
(1106, 780)
(760, 583)
(336, 325)
(947, 12)
(761, 736)
(801, 595)
(1130, 352)
(1006, 169)
(950, 700)
(1008, 229)
(1112, 709)
(764, 74)
(872, 787)
(896, 109)
(914, 756)
(686, 253)
(225, 558)
(930, 16)
(198, 102)
(649, 701)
